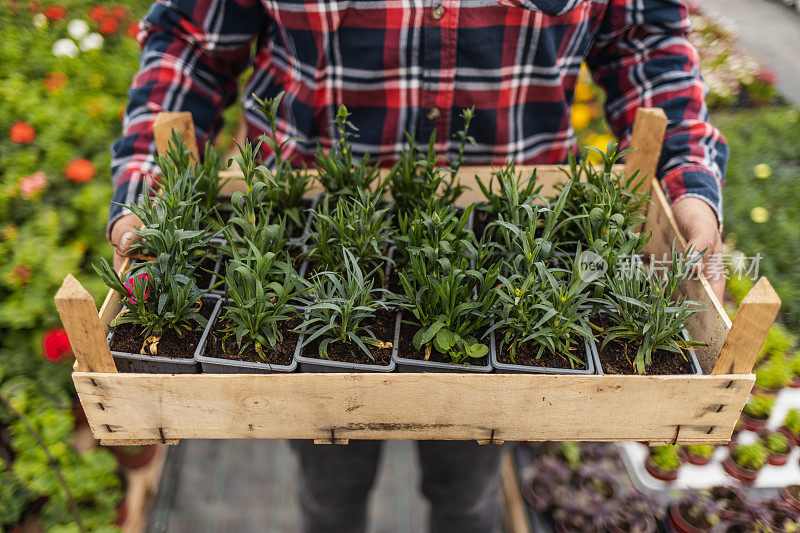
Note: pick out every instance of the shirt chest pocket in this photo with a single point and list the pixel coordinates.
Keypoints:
(553, 8)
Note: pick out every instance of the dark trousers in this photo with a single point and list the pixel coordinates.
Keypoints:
(461, 479)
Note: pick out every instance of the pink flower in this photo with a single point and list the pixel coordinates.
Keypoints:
(134, 282)
(32, 185)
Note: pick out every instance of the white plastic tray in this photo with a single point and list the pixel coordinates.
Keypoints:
(712, 475)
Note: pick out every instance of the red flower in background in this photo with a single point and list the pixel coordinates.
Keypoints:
(34, 6)
(767, 76)
(108, 26)
(80, 170)
(133, 30)
(54, 81)
(22, 274)
(21, 133)
(55, 345)
(120, 11)
(97, 13)
(55, 12)
(32, 185)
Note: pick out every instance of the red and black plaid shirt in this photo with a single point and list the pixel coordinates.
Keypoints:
(413, 65)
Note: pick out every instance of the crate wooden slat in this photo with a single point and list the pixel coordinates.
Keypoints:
(490, 408)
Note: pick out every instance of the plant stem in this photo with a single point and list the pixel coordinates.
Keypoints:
(70, 500)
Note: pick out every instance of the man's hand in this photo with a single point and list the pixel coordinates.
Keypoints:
(122, 237)
(699, 224)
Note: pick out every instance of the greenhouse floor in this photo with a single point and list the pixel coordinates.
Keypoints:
(211, 486)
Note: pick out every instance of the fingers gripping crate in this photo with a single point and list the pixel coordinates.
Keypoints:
(490, 408)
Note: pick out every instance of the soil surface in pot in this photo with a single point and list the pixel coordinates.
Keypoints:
(480, 220)
(382, 327)
(223, 347)
(617, 357)
(129, 338)
(526, 355)
(205, 272)
(406, 348)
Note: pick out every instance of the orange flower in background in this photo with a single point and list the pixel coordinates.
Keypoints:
(55, 345)
(22, 274)
(108, 26)
(21, 133)
(94, 107)
(32, 185)
(54, 81)
(55, 13)
(97, 12)
(80, 170)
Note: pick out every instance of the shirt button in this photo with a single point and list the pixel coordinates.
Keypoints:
(438, 12)
(434, 113)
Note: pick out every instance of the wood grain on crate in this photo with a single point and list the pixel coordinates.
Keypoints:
(413, 406)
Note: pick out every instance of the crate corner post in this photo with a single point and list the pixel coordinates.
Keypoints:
(81, 321)
(751, 324)
(180, 121)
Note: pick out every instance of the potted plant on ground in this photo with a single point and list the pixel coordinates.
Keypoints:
(756, 413)
(730, 498)
(663, 463)
(346, 328)
(778, 445)
(694, 512)
(255, 330)
(745, 461)
(791, 425)
(133, 457)
(544, 481)
(791, 495)
(541, 323)
(771, 377)
(447, 309)
(164, 316)
(642, 323)
(698, 454)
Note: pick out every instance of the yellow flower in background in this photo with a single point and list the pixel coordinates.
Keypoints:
(759, 215)
(599, 141)
(581, 116)
(762, 171)
(583, 92)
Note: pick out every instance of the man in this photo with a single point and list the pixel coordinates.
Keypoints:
(413, 65)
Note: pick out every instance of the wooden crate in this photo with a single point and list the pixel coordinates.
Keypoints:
(491, 408)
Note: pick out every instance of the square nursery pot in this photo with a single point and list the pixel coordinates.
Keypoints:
(153, 364)
(696, 370)
(217, 365)
(505, 368)
(315, 364)
(407, 364)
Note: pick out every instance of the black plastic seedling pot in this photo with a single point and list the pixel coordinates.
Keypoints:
(153, 364)
(506, 368)
(315, 364)
(696, 370)
(217, 365)
(405, 364)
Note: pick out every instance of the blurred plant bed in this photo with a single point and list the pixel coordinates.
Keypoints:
(585, 487)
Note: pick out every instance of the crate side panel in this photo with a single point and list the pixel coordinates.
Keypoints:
(412, 406)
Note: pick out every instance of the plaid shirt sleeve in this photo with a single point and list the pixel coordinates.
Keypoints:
(192, 54)
(642, 58)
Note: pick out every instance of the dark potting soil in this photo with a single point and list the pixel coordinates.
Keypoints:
(617, 357)
(526, 355)
(205, 272)
(128, 338)
(382, 327)
(225, 347)
(406, 347)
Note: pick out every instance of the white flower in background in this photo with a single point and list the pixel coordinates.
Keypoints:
(93, 41)
(40, 21)
(65, 48)
(77, 29)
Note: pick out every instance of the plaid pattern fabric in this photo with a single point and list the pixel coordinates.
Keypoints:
(413, 65)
